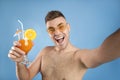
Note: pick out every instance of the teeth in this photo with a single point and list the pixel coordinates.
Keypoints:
(59, 37)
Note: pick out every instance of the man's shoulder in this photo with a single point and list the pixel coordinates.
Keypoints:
(81, 52)
(46, 50)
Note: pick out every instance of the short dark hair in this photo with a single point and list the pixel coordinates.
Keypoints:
(53, 14)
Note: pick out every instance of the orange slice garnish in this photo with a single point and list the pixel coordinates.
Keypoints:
(30, 34)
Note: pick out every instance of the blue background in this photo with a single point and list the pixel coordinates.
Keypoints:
(91, 22)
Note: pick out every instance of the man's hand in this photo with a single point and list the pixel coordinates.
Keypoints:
(15, 53)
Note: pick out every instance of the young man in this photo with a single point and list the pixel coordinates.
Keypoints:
(64, 61)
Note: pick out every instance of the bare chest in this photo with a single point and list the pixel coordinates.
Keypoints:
(60, 66)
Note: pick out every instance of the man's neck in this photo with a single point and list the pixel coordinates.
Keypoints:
(66, 49)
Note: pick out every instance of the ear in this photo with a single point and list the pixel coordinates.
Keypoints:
(68, 26)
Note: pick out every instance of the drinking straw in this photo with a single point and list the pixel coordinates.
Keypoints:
(21, 28)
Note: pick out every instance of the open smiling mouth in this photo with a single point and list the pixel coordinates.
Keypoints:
(60, 39)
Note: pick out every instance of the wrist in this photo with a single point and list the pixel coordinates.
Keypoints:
(20, 63)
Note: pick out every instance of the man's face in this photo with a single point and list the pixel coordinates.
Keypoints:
(58, 30)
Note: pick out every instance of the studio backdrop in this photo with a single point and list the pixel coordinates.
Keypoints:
(91, 22)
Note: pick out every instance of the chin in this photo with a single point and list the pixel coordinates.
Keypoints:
(61, 46)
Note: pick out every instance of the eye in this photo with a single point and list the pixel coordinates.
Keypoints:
(61, 27)
(51, 30)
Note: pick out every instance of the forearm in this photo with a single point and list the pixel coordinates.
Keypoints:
(110, 49)
(22, 72)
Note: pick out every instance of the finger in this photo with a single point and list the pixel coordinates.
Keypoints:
(18, 50)
(12, 56)
(15, 53)
(16, 43)
(19, 59)
(15, 58)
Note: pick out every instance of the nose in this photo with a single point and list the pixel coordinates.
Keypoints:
(57, 32)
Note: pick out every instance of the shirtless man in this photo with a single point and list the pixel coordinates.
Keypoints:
(64, 61)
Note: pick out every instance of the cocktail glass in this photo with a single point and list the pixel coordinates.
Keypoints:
(26, 42)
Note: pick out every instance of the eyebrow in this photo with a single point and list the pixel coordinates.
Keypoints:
(60, 24)
(57, 25)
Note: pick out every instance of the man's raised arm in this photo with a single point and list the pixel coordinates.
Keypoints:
(22, 72)
(109, 50)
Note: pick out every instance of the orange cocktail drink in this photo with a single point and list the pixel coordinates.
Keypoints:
(25, 38)
(26, 45)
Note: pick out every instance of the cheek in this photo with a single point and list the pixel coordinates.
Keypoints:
(66, 32)
(51, 36)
